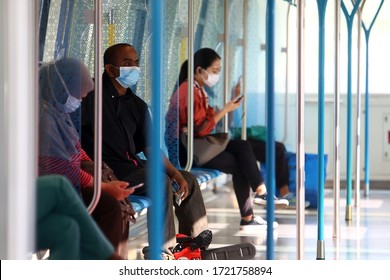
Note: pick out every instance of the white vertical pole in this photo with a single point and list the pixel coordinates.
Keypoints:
(190, 104)
(244, 62)
(226, 65)
(358, 108)
(336, 180)
(301, 133)
(18, 126)
(98, 108)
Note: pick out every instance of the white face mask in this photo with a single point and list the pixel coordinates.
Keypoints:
(212, 79)
(128, 76)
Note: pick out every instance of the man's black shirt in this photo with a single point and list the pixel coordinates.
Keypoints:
(125, 122)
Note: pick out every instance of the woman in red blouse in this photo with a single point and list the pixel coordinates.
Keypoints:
(238, 158)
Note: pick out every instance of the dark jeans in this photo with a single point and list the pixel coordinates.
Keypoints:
(191, 214)
(238, 159)
(281, 165)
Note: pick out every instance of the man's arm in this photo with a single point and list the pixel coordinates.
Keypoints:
(173, 174)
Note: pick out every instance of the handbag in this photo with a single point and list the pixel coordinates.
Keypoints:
(206, 147)
(108, 176)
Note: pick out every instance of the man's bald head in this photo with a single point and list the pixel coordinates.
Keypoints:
(111, 55)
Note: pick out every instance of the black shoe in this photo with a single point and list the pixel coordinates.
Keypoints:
(256, 223)
(262, 201)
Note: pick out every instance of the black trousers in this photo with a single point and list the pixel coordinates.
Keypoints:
(281, 165)
(108, 216)
(238, 159)
(191, 214)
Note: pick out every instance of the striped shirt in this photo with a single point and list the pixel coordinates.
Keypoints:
(69, 168)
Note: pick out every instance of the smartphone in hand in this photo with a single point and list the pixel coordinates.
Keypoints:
(135, 186)
(176, 188)
(238, 98)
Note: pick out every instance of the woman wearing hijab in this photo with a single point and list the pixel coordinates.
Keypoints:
(62, 85)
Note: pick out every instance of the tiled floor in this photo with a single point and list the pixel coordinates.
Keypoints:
(366, 237)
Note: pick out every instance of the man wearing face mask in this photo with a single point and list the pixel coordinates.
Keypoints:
(237, 158)
(125, 125)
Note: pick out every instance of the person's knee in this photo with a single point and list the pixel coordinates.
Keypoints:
(71, 228)
(279, 147)
(58, 229)
(190, 179)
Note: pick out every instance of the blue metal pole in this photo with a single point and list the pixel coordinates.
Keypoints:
(321, 4)
(349, 19)
(155, 175)
(270, 149)
(367, 109)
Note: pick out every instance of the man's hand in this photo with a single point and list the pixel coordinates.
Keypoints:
(117, 189)
(183, 185)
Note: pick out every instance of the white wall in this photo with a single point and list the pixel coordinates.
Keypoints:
(379, 107)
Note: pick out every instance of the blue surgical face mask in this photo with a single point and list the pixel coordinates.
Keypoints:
(129, 76)
(72, 104)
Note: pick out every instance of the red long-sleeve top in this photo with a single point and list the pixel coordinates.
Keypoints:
(69, 168)
(204, 114)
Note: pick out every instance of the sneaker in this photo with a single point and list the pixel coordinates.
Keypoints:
(292, 201)
(262, 201)
(255, 224)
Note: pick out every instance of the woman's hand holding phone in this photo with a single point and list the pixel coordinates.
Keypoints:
(134, 186)
(238, 98)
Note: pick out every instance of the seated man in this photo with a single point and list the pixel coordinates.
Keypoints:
(125, 124)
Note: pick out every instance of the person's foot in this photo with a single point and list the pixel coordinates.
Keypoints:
(255, 223)
(262, 201)
(292, 201)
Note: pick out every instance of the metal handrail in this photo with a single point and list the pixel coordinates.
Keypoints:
(226, 90)
(98, 108)
(336, 181)
(190, 101)
(367, 32)
(270, 150)
(284, 139)
(244, 61)
(349, 19)
(358, 108)
(300, 172)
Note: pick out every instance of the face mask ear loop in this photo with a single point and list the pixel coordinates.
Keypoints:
(62, 81)
(48, 79)
(200, 73)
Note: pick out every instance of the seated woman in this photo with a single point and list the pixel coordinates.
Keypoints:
(64, 225)
(237, 159)
(62, 85)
